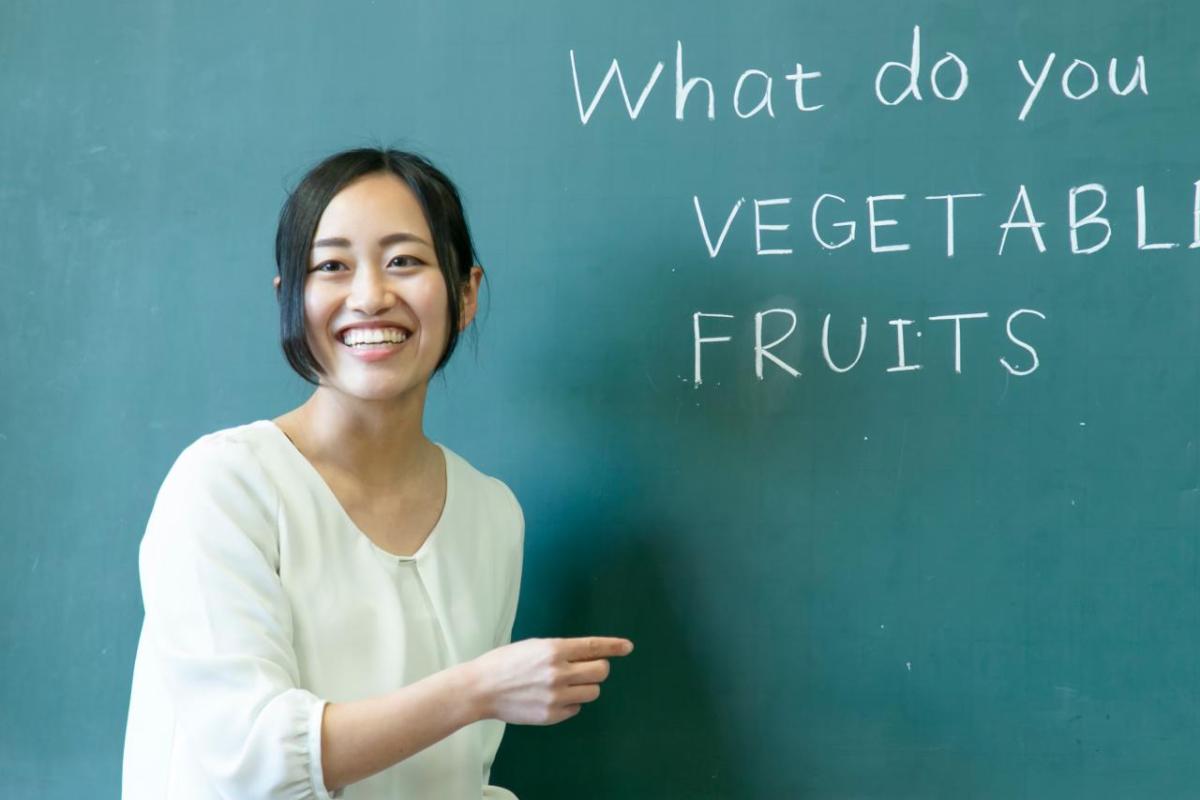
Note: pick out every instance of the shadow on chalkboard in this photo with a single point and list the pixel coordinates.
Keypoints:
(657, 730)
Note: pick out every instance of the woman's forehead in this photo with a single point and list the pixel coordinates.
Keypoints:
(373, 206)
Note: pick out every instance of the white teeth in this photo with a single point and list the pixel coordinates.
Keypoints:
(366, 336)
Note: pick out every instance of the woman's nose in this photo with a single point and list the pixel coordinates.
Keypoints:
(370, 293)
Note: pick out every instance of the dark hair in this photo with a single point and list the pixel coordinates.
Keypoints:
(302, 211)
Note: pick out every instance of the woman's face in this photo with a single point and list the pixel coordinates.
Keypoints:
(373, 263)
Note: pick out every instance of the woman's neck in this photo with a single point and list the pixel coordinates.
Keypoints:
(383, 444)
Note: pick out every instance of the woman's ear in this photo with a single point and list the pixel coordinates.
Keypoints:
(276, 282)
(469, 298)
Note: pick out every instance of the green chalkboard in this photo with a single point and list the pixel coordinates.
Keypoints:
(957, 561)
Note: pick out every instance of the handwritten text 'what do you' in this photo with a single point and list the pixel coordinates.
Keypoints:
(896, 82)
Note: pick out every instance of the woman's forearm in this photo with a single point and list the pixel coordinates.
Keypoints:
(363, 737)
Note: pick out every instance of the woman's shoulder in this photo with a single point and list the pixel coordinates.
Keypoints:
(230, 447)
(498, 500)
(215, 493)
(246, 434)
(220, 459)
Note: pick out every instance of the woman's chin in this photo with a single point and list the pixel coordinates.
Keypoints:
(380, 389)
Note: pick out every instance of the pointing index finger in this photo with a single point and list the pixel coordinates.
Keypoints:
(589, 648)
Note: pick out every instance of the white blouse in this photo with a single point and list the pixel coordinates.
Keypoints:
(264, 601)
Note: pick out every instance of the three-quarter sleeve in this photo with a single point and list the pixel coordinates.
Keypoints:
(512, 548)
(515, 519)
(219, 625)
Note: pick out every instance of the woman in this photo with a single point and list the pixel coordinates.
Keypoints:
(330, 595)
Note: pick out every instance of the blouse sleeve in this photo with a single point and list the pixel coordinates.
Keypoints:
(516, 521)
(514, 527)
(220, 626)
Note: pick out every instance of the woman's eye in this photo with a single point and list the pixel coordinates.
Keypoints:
(405, 261)
(322, 266)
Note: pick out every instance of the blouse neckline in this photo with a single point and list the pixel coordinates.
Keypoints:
(318, 480)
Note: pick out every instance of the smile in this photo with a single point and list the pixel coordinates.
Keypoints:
(376, 350)
(355, 337)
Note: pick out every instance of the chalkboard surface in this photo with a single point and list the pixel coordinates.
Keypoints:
(889, 510)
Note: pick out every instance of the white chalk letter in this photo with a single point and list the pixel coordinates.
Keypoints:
(682, 90)
(1138, 80)
(1030, 222)
(765, 102)
(1093, 218)
(615, 69)
(713, 250)
(760, 350)
(759, 227)
(950, 198)
(1141, 219)
(873, 223)
(699, 341)
(798, 76)
(862, 343)
(1195, 216)
(850, 223)
(1066, 80)
(962, 77)
(958, 334)
(901, 324)
(1023, 345)
(913, 69)
(1035, 85)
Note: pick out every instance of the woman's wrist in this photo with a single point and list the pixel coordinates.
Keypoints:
(473, 690)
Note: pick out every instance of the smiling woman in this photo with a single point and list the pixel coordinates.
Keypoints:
(422, 198)
(329, 594)
(374, 265)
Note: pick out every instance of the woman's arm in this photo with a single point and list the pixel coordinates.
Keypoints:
(363, 737)
(218, 627)
(530, 682)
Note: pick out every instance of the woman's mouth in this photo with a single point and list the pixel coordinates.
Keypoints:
(374, 345)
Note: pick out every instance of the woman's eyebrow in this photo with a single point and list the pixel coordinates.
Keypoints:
(391, 238)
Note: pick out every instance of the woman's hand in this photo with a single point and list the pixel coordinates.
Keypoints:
(544, 681)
